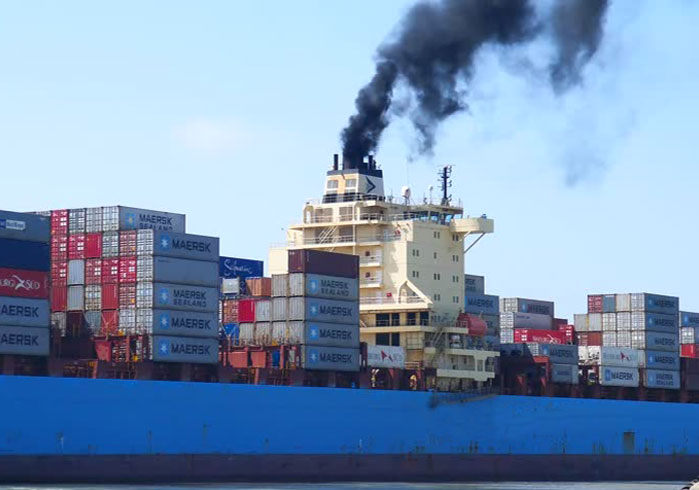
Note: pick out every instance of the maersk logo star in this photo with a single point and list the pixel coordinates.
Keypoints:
(164, 321)
(314, 310)
(131, 220)
(313, 286)
(313, 356)
(164, 348)
(314, 333)
(165, 242)
(164, 296)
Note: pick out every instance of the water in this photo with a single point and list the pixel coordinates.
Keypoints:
(370, 486)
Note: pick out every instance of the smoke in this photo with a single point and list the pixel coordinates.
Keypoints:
(433, 56)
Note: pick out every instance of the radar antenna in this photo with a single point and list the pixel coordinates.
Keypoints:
(445, 178)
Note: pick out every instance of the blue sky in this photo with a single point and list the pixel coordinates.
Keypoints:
(230, 112)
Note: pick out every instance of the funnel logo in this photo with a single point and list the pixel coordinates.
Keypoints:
(314, 332)
(164, 296)
(313, 356)
(370, 186)
(164, 243)
(164, 321)
(130, 220)
(164, 348)
(313, 286)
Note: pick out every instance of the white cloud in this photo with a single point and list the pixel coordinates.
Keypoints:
(212, 136)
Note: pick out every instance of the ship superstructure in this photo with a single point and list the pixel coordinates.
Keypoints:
(411, 269)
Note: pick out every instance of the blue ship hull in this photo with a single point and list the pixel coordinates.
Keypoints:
(68, 429)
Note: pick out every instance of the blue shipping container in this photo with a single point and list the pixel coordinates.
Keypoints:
(22, 226)
(232, 330)
(230, 267)
(609, 303)
(689, 319)
(485, 304)
(20, 254)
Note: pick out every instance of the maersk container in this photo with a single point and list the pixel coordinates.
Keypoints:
(668, 342)
(24, 341)
(655, 303)
(688, 335)
(21, 226)
(609, 338)
(525, 320)
(324, 310)
(263, 333)
(280, 285)
(474, 284)
(279, 309)
(19, 254)
(565, 373)
(24, 284)
(176, 297)
(609, 322)
(326, 334)
(93, 297)
(623, 321)
(93, 220)
(323, 263)
(184, 349)
(524, 305)
(618, 376)
(581, 322)
(177, 271)
(320, 358)
(623, 339)
(688, 319)
(561, 354)
(24, 312)
(263, 310)
(609, 303)
(178, 245)
(481, 304)
(669, 380)
(247, 333)
(169, 322)
(117, 218)
(319, 286)
(76, 298)
(655, 322)
(660, 360)
(623, 303)
(76, 272)
(230, 267)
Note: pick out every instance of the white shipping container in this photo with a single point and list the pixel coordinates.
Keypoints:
(623, 339)
(688, 335)
(279, 332)
(623, 302)
(564, 373)
(383, 356)
(230, 286)
(279, 308)
(296, 332)
(127, 320)
(525, 320)
(93, 297)
(618, 376)
(609, 322)
(76, 298)
(623, 321)
(610, 356)
(59, 322)
(507, 335)
(93, 220)
(581, 322)
(280, 285)
(76, 272)
(110, 244)
(609, 339)
(76, 220)
(594, 322)
(263, 311)
(263, 333)
(247, 333)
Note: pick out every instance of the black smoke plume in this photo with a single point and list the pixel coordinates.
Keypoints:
(434, 55)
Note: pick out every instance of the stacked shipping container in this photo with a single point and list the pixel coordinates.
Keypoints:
(24, 284)
(485, 307)
(689, 334)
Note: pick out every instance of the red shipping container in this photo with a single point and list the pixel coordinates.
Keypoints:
(589, 339)
(24, 284)
(59, 298)
(93, 271)
(539, 336)
(110, 323)
(473, 324)
(127, 243)
(258, 359)
(110, 297)
(110, 271)
(595, 303)
(59, 222)
(59, 273)
(246, 310)
(76, 246)
(127, 269)
(93, 245)
(127, 295)
(689, 350)
(59, 247)
(238, 359)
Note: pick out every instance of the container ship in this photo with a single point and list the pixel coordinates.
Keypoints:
(133, 351)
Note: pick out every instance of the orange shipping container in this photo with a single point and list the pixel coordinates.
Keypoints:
(259, 286)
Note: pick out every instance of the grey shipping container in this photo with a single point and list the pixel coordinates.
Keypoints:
(280, 285)
(324, 310)
(559, 354)
(481, 304)
(618, 376)
(93, 321)
(581, 322)
(118, 218)
(608, 322)
(110, 244)
(668, 342)
(127, 320)
(660, 360)
(525, 320)
(524, 305)
(247, 333)
(170, 322)
(59, 321)
(21, 226)
(594, 322)
(474, 284)
(76, 298)
(24, 341)
(279, 309)
(324, 263)
(93, 220)
(689, 319)
(326, 334)
(623, 338)
(507, 335)
(655, 303)
(184, 349)
(330, 358)
(653, 378)
(77, 220)
(176, 297)
(688, 335)
(76, 272)
(320, 286)
(178, 245)
(177, 271)
(656, 322)
(93, 297)
(564, 373)
(623, 321)
(609, 338)
(623, 302)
